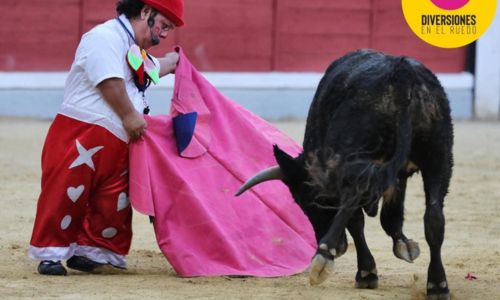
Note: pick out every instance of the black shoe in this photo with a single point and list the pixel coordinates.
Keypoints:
(49, 267)
(81, 263)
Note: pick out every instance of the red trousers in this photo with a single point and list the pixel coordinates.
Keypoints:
(83, 207)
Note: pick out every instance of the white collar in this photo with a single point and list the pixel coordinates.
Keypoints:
(127, 24)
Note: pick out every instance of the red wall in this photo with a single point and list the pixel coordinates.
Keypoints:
(309, 34)
(38, 34)
(390, 33)
(226, 35)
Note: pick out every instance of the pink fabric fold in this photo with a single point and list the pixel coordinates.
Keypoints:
(200, 226)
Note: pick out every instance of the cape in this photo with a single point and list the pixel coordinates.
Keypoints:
(184, 173)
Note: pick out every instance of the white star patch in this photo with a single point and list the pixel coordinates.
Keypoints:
(85, 156)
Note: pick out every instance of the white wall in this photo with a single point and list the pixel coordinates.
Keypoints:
(272, 95)
(487, 79)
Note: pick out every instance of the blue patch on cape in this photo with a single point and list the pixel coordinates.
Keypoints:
(184, 129)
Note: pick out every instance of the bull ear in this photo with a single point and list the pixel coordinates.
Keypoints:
(292, 168)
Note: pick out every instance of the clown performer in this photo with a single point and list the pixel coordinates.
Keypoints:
(83, 213)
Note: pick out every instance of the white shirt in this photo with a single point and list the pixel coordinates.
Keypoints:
(100, 55)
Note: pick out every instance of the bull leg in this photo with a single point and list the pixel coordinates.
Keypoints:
(342, 246)
(436, 180)
(366, 277)
(392, 218)
(322, 263)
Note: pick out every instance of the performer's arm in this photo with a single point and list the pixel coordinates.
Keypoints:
(114, 92)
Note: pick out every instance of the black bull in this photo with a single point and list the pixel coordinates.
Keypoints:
(374, 121)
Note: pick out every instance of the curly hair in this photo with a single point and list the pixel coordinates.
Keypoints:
(130, 8)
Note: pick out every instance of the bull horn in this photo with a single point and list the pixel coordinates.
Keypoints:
(264, 175)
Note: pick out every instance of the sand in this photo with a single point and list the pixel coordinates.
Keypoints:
(472, 241)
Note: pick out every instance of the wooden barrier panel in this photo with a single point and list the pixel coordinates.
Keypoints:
(226, 35)
(311, 34)
(38, 34)
(391, 34)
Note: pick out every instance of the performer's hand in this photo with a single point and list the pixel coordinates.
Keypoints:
(168, 63)
(134, 124)
(115, 94)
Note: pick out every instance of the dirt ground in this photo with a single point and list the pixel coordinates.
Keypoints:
(472, 242)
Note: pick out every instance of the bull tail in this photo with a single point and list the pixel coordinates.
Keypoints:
(364, 181)
(367, 180)
(404, 79)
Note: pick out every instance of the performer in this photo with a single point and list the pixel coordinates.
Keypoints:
(83, 213)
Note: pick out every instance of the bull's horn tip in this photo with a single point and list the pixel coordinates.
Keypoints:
(239, 192)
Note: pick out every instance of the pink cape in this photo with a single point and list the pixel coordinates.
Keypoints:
(200, 226)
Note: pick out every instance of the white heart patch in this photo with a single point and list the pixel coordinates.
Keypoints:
(122, 201)
(75, 193)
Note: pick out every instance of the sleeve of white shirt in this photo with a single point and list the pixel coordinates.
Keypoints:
(103, 56)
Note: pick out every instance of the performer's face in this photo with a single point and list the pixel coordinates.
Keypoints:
(157, 28)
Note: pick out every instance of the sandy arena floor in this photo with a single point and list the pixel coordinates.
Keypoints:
(472, 241)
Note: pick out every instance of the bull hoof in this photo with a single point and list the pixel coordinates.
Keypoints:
(366, 280)
(406, 250)
(438, 292)
(439, 297)
(321, 268)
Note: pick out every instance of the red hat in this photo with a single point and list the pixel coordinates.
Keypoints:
(172, 9)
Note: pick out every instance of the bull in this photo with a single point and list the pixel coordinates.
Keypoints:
(374, 121)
